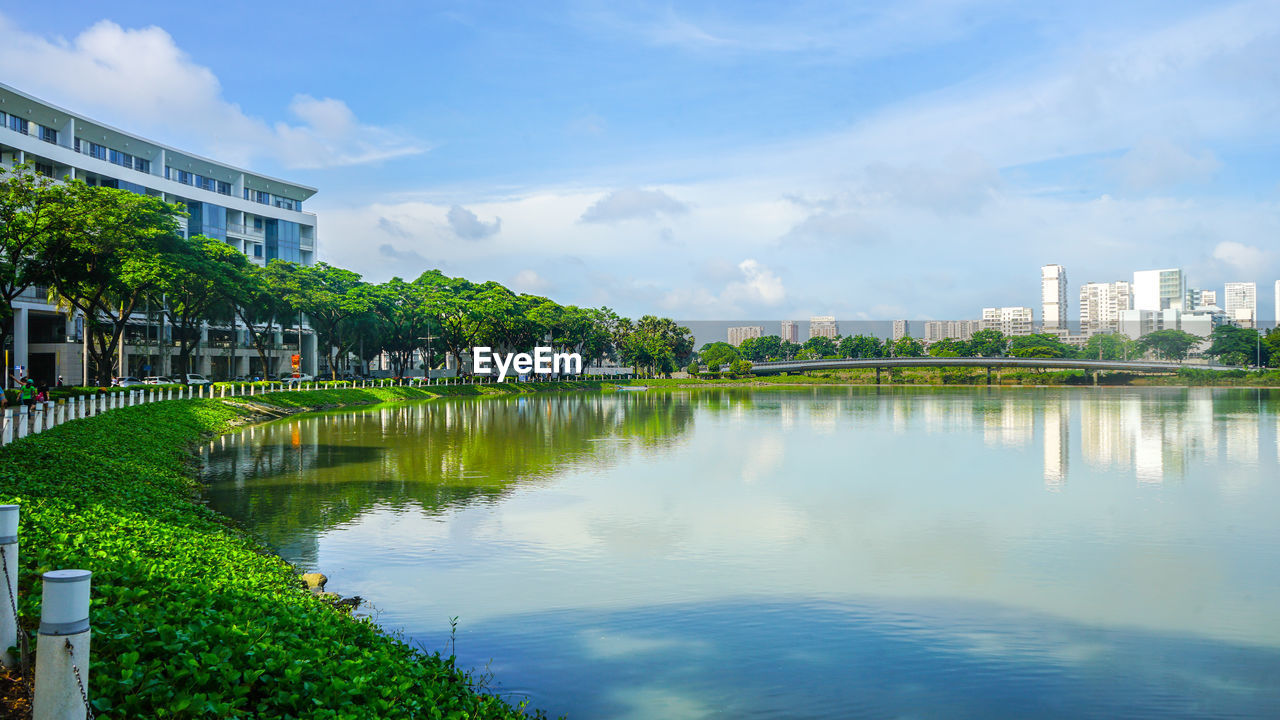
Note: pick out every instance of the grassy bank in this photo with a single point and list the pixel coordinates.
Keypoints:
(191, 617)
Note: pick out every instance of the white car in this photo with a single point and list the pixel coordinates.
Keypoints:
(303, 377)
(127, 381)
(193, 379)
(156, 380)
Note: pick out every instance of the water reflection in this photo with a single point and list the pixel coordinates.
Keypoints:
(969, 552)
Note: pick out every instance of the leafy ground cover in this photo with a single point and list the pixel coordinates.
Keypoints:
(191, 617)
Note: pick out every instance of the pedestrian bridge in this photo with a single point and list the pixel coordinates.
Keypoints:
(877, 364)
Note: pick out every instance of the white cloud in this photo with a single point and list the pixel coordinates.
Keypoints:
(468, 226)
(141, 79)
(633, 204)
(529, 281)
(1153, 164)
(758, 286)
(1241, 257)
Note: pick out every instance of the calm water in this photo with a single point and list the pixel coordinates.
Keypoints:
(829, 553)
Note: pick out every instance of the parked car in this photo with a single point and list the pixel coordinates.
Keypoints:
(156, 380)
(194, 379)
(289, 378)
(126, 381)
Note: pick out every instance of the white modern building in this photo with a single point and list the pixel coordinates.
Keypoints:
(1101, 305)
(823, 326)
(738, 334)
(1009, 320)
(1241, 303)
(935, 330)
(1198, 298)
(258, 215)
(901, 329)
(1159, 289)
(791, 331)
(1053, 298)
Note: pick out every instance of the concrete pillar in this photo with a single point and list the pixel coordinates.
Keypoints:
(62, 650)
(24, 421)
(8, 582)
(59, 412)
(6, 435)
(37, 418)
(21, 329)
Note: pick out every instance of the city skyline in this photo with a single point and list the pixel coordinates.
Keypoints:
(703, 162)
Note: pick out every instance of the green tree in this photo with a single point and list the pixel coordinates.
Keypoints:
(740, 368)
(117, 251)
(1168, 344)
(861, 346)
(761, 349)
(200, 288)
(259, 299)
(1108, 346)
(820, 346)
(328, 295)
(788, 350)
(718, 354)
(1039, 345)
(908, 346)
(989, 343)
(1237, 346)
(402, 326)
(950, 347)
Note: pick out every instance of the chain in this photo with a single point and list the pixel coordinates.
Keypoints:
(23, 649)
(84, 696)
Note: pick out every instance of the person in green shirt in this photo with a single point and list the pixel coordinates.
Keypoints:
(27, 393)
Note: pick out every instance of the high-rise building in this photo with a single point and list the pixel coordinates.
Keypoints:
(1101, 305)
(1009, 320)
(823, 326)
(1241, 303)
(1160, 290)
(1197, 298)
(935, 330)
(791, 331)
(738, 334)
(900, 330)
(1053, 297)
(259, 215)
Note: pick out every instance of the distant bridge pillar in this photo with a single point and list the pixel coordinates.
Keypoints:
(988, 374)
(877, 375)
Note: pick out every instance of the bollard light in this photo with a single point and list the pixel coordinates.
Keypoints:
(9, 583)
(62, 649)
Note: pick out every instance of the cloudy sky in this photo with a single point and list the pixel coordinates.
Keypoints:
(872, 160)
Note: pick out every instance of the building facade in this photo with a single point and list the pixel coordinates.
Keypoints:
(738, 334)
(901, 329)
(1198, 298)
(823, 326)
(935, 330)
(1053, 298)
(1101, 305)
(1009, 320)
(791, 331)
(1241, 303)
(258, 215)
(1158, 290)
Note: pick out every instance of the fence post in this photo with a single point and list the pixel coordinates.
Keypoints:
(37, 418)
(81, 405)
(7, 436)
(9, 593)
(24, 421)
(62, 650)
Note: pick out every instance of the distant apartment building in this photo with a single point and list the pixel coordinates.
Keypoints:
(1136, 323)
(1158, 290)
(1277, 296)
(738, 334)
(1009, 320)
(1101, 305)
(823, 326)
(1197, 298)
(1241, 303)
(935, 330)
(791, 331)
(1053, 297)
(901, 329)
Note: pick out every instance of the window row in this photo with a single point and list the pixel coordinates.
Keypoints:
(200, 181)
(266, 198)
(115, 157)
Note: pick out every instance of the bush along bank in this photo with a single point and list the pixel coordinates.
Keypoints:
(191, 617)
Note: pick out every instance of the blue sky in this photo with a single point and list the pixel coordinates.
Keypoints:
(719, 160)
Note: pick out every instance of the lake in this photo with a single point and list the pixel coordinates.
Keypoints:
(825, 552)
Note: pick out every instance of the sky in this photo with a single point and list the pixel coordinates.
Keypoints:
(918, 159)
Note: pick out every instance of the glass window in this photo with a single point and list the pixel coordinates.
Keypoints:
(18, 124)
(44, 169)
(49, 135)
(142, 165)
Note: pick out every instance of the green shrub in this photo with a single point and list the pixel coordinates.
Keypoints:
(191, 617)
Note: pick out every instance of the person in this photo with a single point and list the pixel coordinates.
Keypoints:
(27, 393)
(59, 381)
(42, 393)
